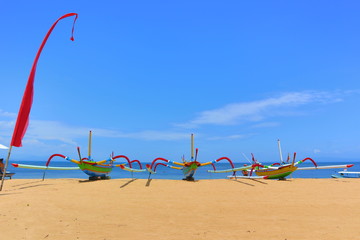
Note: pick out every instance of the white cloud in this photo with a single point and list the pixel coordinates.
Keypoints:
(43, 133)
(255, 111)
(266, 125)
(7, 114)
(317, 151)
(54, 130)
(156, 135)
(231, 137)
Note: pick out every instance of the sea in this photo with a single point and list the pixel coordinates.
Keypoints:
(165, 172)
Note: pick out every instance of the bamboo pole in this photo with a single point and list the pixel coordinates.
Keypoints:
(192, 147)
(89, 152)
(5, 168)
(280, 152)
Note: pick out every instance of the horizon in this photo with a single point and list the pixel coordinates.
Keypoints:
(144, 76)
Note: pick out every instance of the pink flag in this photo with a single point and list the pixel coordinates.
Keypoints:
(22, 121)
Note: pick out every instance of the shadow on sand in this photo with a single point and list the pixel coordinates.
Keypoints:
(132, 180)
(237, 180)
(252, 179)
(34, 184)
(148, 182)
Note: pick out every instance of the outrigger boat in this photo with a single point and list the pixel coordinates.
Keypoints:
(94, 169)
(277, 170)
(266, 172)
(188, 168)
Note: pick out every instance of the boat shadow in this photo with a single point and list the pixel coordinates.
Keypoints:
(237, 180)
(127, 183)
(37, 184)
(93, 180)
(4, 194)
(150, 179)
(243, 182)
(257, 180)
(148, 182)
(29, 183)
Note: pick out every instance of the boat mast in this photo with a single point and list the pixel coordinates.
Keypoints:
(279, 146)
(192, 147)
(89, 148)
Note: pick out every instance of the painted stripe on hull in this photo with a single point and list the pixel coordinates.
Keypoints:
(97, 170)
(278, 176)
(190, 170)
(281, 172)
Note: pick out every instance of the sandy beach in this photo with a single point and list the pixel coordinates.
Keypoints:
(175, 209)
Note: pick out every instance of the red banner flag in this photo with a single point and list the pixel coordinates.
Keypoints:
(22, 121)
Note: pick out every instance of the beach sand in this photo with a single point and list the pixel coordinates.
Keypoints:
(175, 209)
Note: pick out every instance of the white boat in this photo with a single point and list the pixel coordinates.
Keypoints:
(346, 174)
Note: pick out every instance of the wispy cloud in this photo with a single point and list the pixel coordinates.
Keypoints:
(56, 131)
(231, 137)
(256, 111)
(266, 125)
(317, 151)
(7, 114)
(52, 130)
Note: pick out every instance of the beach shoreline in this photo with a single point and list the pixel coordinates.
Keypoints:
(176, 209)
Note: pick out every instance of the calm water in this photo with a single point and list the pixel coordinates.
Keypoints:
(164, 172)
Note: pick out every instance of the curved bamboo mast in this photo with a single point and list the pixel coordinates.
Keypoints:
(280, 152)
(81, 161)
(89, 148)
(192, 147)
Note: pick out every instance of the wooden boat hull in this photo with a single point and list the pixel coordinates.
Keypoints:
(7, 175)
(190, 169)
(278, 173)
(95, 170)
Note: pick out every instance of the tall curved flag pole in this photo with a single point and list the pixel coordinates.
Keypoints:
(22, 121)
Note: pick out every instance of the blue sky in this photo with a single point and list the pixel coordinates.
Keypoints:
(144, 75)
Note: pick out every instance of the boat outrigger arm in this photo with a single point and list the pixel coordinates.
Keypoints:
(327, 167)
(152, 167)
(43, 167)
(188, 167)
(130, 168)
(231, 169)
(47, 167)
